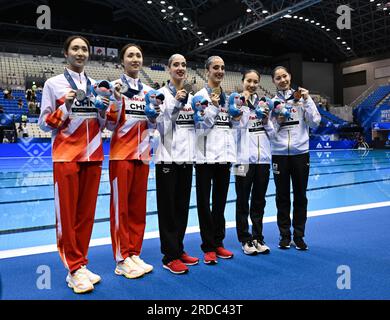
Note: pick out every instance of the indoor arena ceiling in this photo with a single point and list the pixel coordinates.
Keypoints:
(198, 27)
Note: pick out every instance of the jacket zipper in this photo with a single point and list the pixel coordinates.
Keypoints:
(139, 141)
(87, 139)
(205, 147)
(288, 146)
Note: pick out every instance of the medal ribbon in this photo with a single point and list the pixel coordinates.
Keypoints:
(173, 91)
(222, 97)
(131, 92)
(73, 84)
(281, 96)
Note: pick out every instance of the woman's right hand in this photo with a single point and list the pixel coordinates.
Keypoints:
(215, 99)
(69, 98)
(157, 108)
(181, 95)
(266, 116)
(280, 119)
(117, 90)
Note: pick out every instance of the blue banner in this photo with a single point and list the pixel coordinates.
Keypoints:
(381, 125)
(385, 114)
(36, 148)
(331, 145)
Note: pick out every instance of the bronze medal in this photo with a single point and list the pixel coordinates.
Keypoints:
(297, 95)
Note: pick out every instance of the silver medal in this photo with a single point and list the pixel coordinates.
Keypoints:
(188, 87)
(124, 88)
(80, 95)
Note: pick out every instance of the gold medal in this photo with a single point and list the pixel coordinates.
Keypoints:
(217, 91)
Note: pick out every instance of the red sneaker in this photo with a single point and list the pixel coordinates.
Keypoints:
(188, 260)
(176, 267)
(210, 258)
(224, 253)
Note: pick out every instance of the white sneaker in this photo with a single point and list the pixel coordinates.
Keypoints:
(79, 281)
(261, 247)
(93, 277)
(138, 261)
(129, 269)
(249, 248)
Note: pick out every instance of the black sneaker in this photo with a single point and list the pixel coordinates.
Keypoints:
(284, 242)
(299, 243)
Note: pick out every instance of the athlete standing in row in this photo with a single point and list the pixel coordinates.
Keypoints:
(174, 166)
(129, 167)
(290, 157)
(69, 113)
(253, 168)
(215, 152)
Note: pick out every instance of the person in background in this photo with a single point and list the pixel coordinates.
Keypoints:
(20, 131)
(28, 95)
(31, 108)
(20, 103)
(8, 94)
(24, 131)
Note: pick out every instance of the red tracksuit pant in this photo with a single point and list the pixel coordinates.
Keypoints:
(76, 186)
(128, 180)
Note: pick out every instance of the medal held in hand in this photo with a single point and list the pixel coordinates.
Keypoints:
(124, 88)
(217, 91)
(297, 95)
(188, 87)
(80, 95)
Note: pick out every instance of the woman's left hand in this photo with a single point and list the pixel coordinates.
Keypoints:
(266, 116)
(304, 93)
(117, 93)
(106, 103)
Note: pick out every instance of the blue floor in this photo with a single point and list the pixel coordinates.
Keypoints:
(355, 239)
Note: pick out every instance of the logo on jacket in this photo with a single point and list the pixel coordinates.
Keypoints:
(166, 170)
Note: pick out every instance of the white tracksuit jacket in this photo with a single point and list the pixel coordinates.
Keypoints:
(253, 140)
(175, 125)
(292, 136)
(215, 136)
